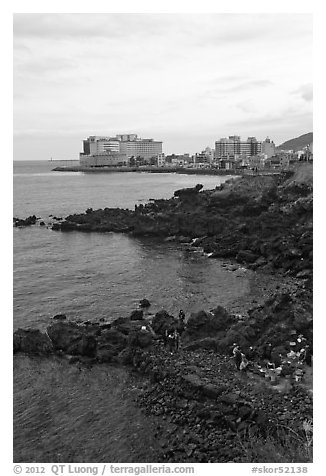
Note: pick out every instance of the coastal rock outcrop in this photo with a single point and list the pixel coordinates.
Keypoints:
(98, 341)
(163, 322)
(32, 341)
(144, 303)
(31, 220)
(207, 324)
(186, 193)
(72, 338)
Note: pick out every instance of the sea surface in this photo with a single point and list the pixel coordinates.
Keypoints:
(96, 275)
(66, 413)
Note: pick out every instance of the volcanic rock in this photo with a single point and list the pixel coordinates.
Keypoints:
(31, 341)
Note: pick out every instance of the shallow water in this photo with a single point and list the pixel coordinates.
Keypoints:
(66, 413)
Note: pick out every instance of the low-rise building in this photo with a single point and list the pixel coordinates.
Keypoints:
(106, 159)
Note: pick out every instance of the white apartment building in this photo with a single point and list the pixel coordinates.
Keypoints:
(268, 148)
(129, 145)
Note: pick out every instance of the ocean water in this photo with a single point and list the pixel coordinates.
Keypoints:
(90, 276)
(66, 413)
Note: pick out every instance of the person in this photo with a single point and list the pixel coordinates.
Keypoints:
(171, 341)
(182, 315)
(267, 351)
(307, 355)
(165, 337)
(237, 356)
(244, 362)
(176, 337)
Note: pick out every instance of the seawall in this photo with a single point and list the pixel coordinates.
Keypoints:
(156, 170)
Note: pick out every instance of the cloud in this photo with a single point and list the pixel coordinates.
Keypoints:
(305, 91)
(46, 65)
(89, 25)
(257, 83)
(185, 76)
(224, 88)
(289, 115)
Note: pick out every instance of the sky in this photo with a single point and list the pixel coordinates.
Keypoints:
(184, 79)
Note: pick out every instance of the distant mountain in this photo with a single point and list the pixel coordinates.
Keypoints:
(298, 143)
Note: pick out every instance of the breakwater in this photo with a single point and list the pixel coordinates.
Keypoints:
(156, 170)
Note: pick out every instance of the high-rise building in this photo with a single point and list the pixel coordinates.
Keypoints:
(123, 146)
(233, 147)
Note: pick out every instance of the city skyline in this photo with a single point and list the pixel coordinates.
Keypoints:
(186, 80)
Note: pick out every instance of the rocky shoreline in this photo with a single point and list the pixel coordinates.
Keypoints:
(214, 412)
(206, 405)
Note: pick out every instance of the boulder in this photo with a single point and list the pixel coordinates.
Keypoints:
(72, 338)
(31, 341)
(140, 338)
(246, 256)
(162, 321)
(213, 391)
(137, 315)
(126, 326)
(109, 344)
(194, 381)
(144, 303)
(209, 343)
(60, 317)
(207, 324)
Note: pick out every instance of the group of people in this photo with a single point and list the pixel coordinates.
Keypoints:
(274, 365)
(172, 336)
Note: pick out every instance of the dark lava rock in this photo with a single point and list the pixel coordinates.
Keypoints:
(72, 338)
(127, 326)
(246, 256)
(141, 338)
(31, 341)
(213, 391)
(60, 317)
(207, 324)
(109, 344)
(194, 381)
(186, 192)
(137, 315)
(162, 321)
(144, 303)
(209, 343)
(31, 220)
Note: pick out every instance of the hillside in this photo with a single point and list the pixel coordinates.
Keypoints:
(298, 143)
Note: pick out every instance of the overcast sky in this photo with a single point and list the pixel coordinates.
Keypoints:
(185, 79)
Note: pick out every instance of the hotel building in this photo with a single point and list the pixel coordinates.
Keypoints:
(100, 150)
